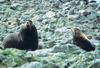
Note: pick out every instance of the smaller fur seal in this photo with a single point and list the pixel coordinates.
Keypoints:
(81, 40)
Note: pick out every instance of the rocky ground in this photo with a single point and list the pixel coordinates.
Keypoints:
(52, 19)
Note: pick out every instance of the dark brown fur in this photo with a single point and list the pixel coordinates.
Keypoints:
(25, 39)
(81, 40)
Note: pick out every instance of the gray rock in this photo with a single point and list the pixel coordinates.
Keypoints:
(63, 29)
(50, 65)
(38, 17)
(50, 14)
(42, 52)
(64, 1)
(95, 1)
(60, 48)
(73, 17)
(93, 5)
(14, 6)
(72, 11)
(32, 65)
(86, 13)
(98, 1)
(2, 1)
(96, 64)
(91, 16)
(56, 4)
(98, 7)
